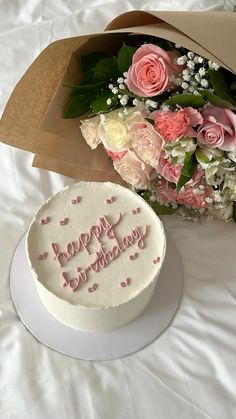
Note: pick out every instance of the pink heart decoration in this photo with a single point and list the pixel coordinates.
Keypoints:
(136, 211)
(42, 256)
(92, 288)
(76, 200)
(134, 256)
(110, 200)
(44, 221)
(125, 283)
(64, 222)
(157, 260)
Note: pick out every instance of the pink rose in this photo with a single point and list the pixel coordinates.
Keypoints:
(146, 142)
(170, 172)
(133, 170)
(150, 70)
(218, 129)
(90, 131)
(165, 194)
(115, 155)
(188, 197)
(172, 125)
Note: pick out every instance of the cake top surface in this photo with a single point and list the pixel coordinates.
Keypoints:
(95, 244)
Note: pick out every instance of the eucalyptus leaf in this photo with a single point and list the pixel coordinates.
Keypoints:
(78, 105)
(220, 86)
(106, 69)
(125, 55)
(216, 100)
(188, 170)
(187, 99)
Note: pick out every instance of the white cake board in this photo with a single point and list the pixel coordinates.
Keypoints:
(97, 346)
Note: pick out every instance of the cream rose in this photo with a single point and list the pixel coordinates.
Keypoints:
(113, 132)
(133, 170)
(89, 129)
(114, 129)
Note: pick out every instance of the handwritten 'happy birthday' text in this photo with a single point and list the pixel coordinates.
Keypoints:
(102, 257)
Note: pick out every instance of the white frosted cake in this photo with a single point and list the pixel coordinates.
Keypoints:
(95, 250)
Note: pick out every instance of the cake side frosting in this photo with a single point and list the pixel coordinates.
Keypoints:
(95, 246)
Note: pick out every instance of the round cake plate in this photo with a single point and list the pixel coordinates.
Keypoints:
(104, 345)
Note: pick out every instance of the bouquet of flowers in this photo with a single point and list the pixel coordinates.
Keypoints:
(166, 117)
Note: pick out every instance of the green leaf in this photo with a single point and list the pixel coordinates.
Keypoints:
(216, 100)
(106, 69)
(188, 169)
(89, 61)
(234, 212)
(220, 86)
(125, 55)
(186, 100)
(78, 105)
(158, 208)
(100, 103)
(161, 209)
(150, 121)
(78, 89)
(174, 160)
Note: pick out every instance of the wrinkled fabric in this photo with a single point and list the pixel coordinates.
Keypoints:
(190, 370)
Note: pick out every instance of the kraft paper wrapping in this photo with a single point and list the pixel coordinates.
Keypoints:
(32, 119)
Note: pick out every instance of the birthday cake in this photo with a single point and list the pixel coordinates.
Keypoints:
(95, 251)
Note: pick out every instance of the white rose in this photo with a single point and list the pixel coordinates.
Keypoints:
(113, 129)
(113, 132)
(90, 131)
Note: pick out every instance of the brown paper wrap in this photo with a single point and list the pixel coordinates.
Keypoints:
(32, 119)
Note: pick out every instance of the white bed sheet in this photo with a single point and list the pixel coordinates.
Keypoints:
(190, 371)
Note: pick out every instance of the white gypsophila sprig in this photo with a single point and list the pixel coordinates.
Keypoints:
(109, 101)
(136, 102)
(195, 75)
(204, 83)
(213, 66)
(191, 64)
(150, 104)
(177, 150)
(202, 71)
(124, 100)
(182, 60)
(191, 55)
